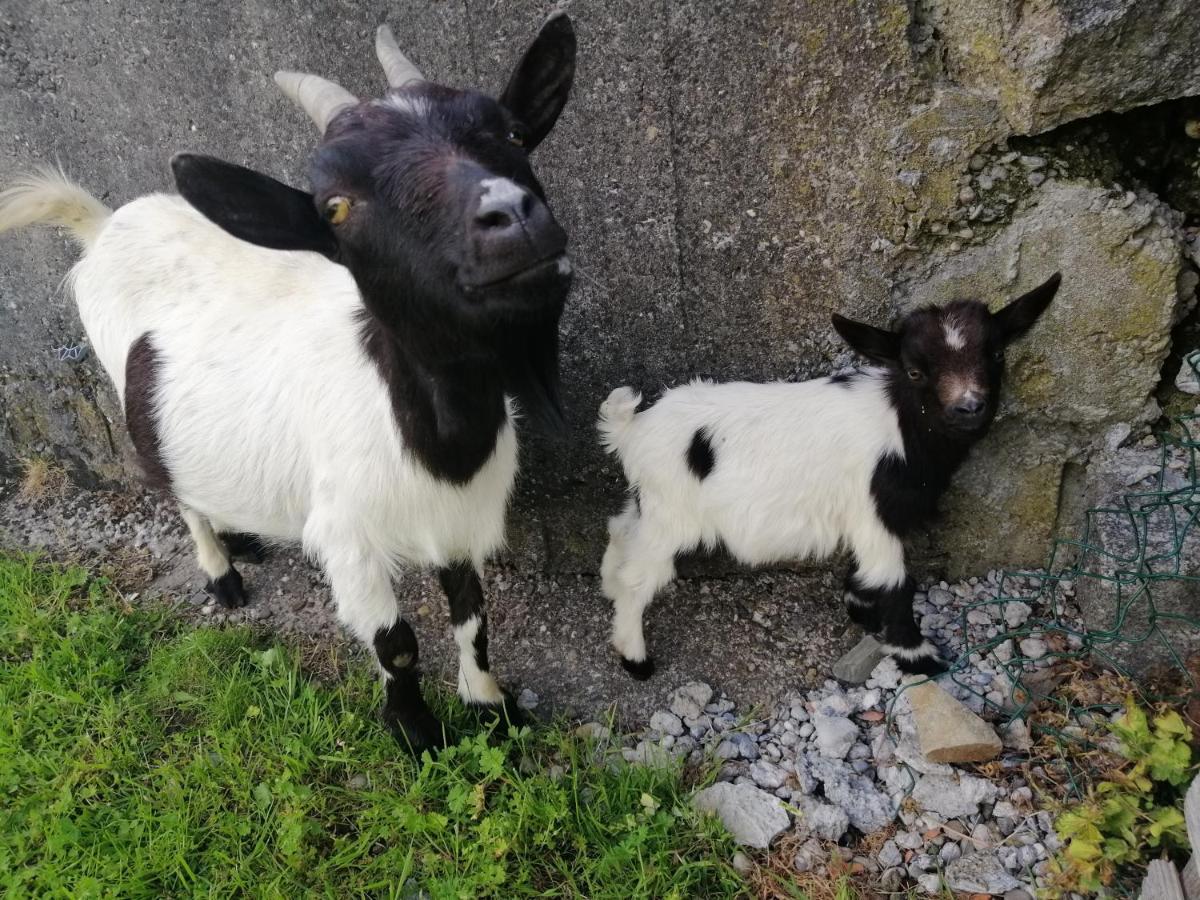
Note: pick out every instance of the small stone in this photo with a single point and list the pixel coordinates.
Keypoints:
(357, 782)
(741, 863)
(1034, 648)
(909, 840)
(649, 754)
(809, 856)
(751, 815)
(688, 701)
(856, 665)
(950, 851)
(889, 855)
(767, 775)
(666, 723)
(835, 735)
(979, 873)
(1004, 810)
(892, 879)
(930, 884)
(953, 796)
(979, 616)
(887, 674)
(1035, 179)
(818, 819)
(1016, 613)
(949, 732)
(527, 699)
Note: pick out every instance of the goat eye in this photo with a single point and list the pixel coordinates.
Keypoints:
(916, 375)
(516, 137)
(336, 210)
(998, 356)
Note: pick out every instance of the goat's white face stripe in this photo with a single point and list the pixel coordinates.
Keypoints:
(953, 335)
(500, 192)
(474, 684)
(416, 106)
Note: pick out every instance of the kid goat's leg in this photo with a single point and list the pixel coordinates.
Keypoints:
(635, 566)
(224, 582)
(366, 605)
(468, 618)
(883, 595)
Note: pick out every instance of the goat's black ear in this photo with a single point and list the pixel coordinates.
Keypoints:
(252, 206)
(1018, 317)
(538, 88)
(876, 344)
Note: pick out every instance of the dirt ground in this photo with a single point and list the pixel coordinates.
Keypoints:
(758, 636)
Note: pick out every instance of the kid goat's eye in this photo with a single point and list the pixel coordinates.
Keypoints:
(336, 210)
(915, 374)
(516, 137)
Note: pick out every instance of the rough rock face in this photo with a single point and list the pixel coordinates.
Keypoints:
(1050, 63)
(730, 173)
(1092, 363)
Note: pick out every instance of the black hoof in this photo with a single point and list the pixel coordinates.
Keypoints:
(416, 730)
(228, 590)
(245, 547)
(639, 670)
(922, 665)
(504, 713)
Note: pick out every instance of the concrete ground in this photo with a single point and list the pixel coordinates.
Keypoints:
(549, 634)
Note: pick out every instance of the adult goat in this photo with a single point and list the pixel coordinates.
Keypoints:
(356, 395)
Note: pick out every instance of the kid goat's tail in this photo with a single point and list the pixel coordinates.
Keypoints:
(616, 415)
(47, 197)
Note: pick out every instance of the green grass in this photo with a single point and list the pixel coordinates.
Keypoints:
(139, 758)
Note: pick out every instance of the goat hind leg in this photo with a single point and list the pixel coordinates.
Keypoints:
(634, 569)
(224, 581)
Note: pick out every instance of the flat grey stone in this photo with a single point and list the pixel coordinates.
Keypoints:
(856, 665)
(750, 814)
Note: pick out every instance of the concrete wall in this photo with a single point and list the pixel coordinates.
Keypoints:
(730, 172)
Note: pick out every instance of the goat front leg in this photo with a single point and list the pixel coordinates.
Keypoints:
(468, 618)
(224, 581)
(883, 597)
(366, 605)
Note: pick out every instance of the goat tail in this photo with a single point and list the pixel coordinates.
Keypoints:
(47, 196)
(616, 415)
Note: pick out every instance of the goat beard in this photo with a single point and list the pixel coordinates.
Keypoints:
(529, 359)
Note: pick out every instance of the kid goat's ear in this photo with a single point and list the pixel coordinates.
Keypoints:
(876, 344)
(1018, 317)
(252, 206)
(538, 88)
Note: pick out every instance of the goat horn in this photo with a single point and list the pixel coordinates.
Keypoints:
(320, 98)
(399, 71)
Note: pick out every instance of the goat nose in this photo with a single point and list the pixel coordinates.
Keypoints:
(969, 404)
(502, 205)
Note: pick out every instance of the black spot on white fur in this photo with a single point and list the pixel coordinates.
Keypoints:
(142, 372)
(700, 456)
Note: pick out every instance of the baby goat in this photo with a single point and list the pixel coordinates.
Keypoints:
(789, 471)
(357, 396)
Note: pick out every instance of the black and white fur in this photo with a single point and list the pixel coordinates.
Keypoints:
(356, 393)
(788, 471)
